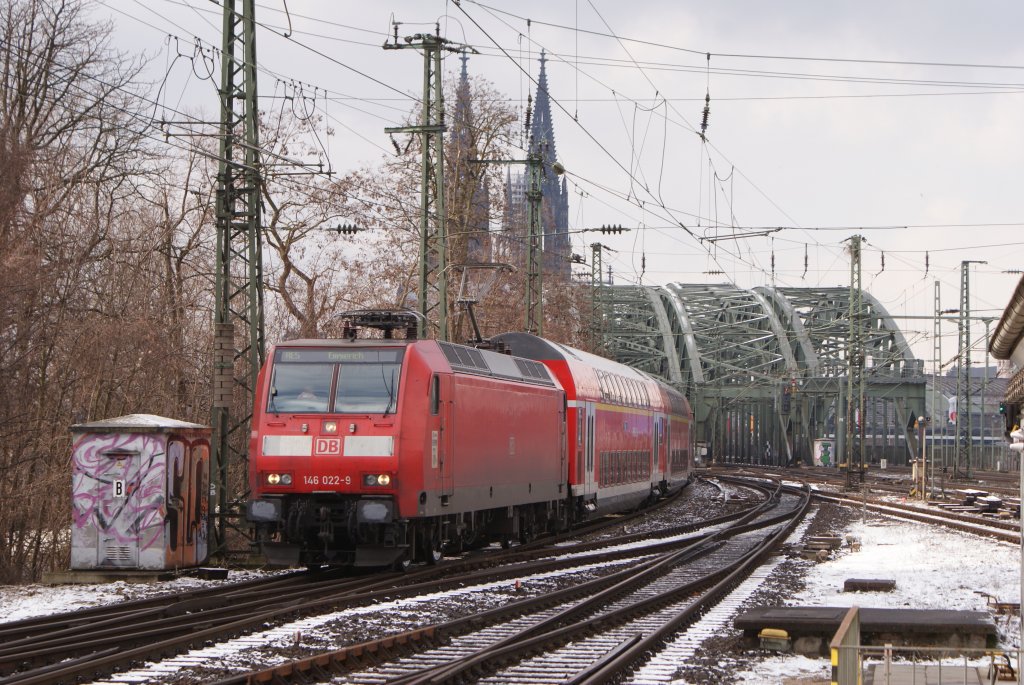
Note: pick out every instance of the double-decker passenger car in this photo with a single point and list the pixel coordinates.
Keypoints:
(629, 434)
(380, 452)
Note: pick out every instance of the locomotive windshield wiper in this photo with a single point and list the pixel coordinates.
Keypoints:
(391, 388)
(273, 394)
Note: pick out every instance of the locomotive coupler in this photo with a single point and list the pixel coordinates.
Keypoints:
(326, 533)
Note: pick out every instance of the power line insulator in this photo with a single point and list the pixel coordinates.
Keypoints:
(346, 229)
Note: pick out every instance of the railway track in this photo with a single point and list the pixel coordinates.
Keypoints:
(102, 640)
(606, 624)
(1007, 530)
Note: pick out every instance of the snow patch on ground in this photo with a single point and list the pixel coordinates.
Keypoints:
(934, 568)
(28, 601)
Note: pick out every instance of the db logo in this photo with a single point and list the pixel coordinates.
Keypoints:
(327, 446)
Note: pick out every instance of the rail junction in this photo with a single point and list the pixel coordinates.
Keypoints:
(617, 591)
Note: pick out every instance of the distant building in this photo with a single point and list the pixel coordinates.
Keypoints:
(1007, 344)
(555, 202)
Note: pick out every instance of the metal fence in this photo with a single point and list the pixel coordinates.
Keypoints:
(853, 664)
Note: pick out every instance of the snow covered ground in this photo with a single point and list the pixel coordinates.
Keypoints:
(934, 568)
(26, 601)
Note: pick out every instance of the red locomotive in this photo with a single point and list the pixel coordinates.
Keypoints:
(379, 452)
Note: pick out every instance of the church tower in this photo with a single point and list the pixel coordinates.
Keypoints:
(555, 203)
(468, 202)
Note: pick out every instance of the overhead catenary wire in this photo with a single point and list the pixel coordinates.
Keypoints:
(754, 55)
(670, 226)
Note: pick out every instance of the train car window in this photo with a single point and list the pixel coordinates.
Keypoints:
(435, 395)
(590, 440)
(579, 456)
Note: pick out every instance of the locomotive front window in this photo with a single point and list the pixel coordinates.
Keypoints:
(367, 388)
(321, 381)
(301, 388)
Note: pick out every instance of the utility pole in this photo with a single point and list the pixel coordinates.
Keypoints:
(936, 363)
(597, 294)
(432, 290)
(534, 248)
(855, 369)
(984, 401)
(534, 291)
(964, 434)
(238, 311)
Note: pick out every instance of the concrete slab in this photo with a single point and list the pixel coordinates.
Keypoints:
(869, 585)
(947, 629)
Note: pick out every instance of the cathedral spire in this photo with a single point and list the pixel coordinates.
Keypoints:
(542, 133)
(554, 192)
(462, 117)
(468, 228)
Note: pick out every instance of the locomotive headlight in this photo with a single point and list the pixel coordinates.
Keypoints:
(330, 427)
(278, 479)
(372, 480)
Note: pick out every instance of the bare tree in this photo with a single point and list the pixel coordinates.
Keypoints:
(94, 303)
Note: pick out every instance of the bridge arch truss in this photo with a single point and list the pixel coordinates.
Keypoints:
(765, 367)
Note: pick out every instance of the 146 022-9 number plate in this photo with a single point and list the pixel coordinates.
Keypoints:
(327, 480)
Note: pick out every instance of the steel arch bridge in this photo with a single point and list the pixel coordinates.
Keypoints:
(765, 368)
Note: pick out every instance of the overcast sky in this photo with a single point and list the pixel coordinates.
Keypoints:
(820, 123)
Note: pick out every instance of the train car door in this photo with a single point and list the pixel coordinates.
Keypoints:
(660, 460)
(446, 439)
(588, 483)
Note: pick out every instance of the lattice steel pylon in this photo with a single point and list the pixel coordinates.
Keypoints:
(534, 246)
(432, 290)
(597, 314)
(239, 341)
(856, 417)
(964, 433)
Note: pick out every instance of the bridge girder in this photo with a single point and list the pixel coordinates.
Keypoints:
(735, 352)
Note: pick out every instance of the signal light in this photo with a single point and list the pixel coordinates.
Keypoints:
(1002, 408)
